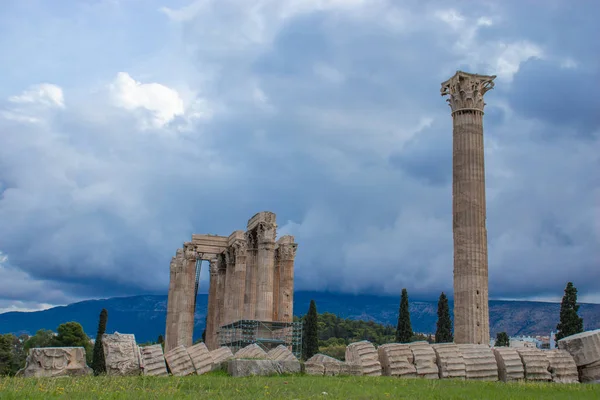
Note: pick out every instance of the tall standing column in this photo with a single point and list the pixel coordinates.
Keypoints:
(471, 313)
(188, 300)
(228, 288)
(172, 301)
(286, 252)
(239, 279)
(212, 306)
(222, 270)
(251, 263)
(266, 232)
(276, 288)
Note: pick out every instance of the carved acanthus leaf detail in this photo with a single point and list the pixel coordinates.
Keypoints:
(287, 251)
(239, 248)
(466, 90)
(266, 233)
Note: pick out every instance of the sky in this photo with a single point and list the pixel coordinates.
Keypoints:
(128, 125)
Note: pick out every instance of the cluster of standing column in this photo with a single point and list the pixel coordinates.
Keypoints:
(251, 278)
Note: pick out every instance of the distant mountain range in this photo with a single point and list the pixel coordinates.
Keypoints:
(145, 316)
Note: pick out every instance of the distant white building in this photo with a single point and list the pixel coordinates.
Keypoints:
(525, 341)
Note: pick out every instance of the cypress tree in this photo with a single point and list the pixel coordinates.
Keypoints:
(98, 364)
(502, 340)
(311, 331)
(161, 341)
(404, 330)
(570, 322)
(443, 333)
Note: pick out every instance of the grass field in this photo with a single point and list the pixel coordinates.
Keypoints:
(219, 386)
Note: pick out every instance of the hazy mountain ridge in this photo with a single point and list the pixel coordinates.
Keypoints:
(145, 315)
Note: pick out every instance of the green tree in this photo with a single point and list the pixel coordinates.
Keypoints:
(404, 330)
(71, 334)
(443, 333)
(161, 341)
(98, 363)
(6, 354)
(502, 340)
(42, 338)
(570, 322)
(311, 332)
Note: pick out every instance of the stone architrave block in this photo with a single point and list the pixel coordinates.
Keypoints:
(252, 351)
(179, 361)
(220, 357)
(121, 354)
(480, 362)
(562, 366)
(396, 359)
(319, 364)
(154, 360)
(425, 360)
(590, 373)
(535, 364)
(201, 358)
(281, 353)
(350, 369)
(584, 347)
(449, 361)
(49, 362)
(510, 366)
(364, 354)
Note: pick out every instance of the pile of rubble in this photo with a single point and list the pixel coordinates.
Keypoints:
(578, 359)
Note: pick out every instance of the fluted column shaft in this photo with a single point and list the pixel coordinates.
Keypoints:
(220, 293)
(276, 285)
(286, 254)
(228, 288)
(172, 311)
(211, 314)
(471, 312)
(239, 280)
(265, 271)
(251, 265)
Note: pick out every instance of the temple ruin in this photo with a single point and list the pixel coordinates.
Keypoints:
(251, 287)
(471, 314)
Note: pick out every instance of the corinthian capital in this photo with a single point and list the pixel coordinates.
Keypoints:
(287, 251)
(190, 252)
(239, 248)
(466, 90)
(266, 232)
(214, 267)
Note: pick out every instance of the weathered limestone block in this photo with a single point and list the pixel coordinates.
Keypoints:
(201, 358)
(450, 361)
(584, 347)
(239, 367)
(180, 362)
(281, 353)
(424, 360)
(220, 357)
(562, 366)
(253, 351)
(154, 360)
(510, 366)
(364, 354)
(480, 362)
(350, 369)
(51, 362)
(590, 372)
(319, 364)
(121, 354)
(535, 364)
(396, 360)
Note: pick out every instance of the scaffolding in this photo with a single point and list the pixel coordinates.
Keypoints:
(266, 334)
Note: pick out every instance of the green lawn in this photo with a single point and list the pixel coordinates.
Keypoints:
(219, 386)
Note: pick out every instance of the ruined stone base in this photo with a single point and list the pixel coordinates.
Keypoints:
(480, 362)
(180, 362)
(364, 354)
(562, 367)
(220, 357)
(536, 364)
(450, 361)
(201, 358)
(425, 360)
(252, 351)
(53, 362)
(241, 367)
(121, 354)
(584, 347)
(396, 360)
(590, 373)
(510, 366)
(154, 360)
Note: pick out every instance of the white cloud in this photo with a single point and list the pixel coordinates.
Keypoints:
(162, 102)
(45, 94)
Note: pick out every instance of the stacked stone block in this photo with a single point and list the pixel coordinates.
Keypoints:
(50, 362)
(220, 357)
(510, 366)
(281, 353)
(450, 361)
(396, 360)
(364, 354)
(253, 351)
(585, 349)
(320, 364)
(121, 354)
(180, 362)
(201, 358)
(153, 360)
(425, 360)
(536, 364)
(480, 362)
(562, 367)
